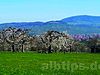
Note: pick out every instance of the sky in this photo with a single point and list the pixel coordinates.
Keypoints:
(45, 10)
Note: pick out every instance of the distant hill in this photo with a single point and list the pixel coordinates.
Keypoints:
(82, 24)
(83, 19)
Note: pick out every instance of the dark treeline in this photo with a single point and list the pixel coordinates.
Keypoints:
(18, 40)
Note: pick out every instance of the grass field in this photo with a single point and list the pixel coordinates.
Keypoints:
(49, 64)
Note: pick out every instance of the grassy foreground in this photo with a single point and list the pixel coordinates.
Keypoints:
(49, 64)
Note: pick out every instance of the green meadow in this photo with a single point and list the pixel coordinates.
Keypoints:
(30, 63)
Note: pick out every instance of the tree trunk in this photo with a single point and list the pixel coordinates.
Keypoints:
(13, 47)
(49, 49)
(22, 48)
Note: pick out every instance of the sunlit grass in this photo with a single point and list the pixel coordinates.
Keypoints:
(39, 64)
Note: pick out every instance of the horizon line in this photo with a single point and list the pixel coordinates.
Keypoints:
(48, 20)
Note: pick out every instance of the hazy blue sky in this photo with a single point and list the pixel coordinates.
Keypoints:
(45, 10)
